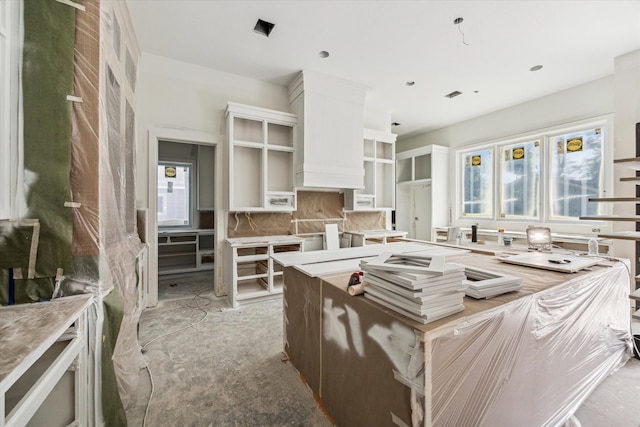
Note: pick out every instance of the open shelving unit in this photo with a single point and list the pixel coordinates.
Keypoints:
(379, 171)
(185, 251)
(254, 274)
(634, 164)
(261, 147)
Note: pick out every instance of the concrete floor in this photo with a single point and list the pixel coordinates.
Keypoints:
(227, 369)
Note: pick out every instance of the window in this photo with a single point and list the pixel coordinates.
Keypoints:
(576, 173)
(543, 177)
(478, 183)
(174, 194)
(520, 180)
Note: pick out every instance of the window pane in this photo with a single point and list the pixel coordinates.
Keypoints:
(520, 180)
(576, 173)
(174, 194)
(477, 183)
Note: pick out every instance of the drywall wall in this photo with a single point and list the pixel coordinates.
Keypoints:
(177, 95)
(581, 102)
(593, 99)
(183, 102)
(627, 114)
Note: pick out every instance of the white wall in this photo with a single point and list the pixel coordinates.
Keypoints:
(180, 101)
(174, 94)
(627, 114)
(580, 102)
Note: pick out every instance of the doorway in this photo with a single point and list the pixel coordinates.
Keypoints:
(413, 210)
(183, 192)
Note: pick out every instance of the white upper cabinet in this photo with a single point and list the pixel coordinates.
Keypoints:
(261, 149)
(378, 149)
(330, 132)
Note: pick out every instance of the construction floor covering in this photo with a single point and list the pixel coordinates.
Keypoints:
(216, 366)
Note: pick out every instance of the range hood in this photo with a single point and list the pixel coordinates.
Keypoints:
(328, 144)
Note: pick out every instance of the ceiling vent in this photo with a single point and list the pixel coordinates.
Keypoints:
(263, 28)
(453, 94)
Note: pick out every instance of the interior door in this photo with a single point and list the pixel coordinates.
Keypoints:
(404, 209)
(421, 206)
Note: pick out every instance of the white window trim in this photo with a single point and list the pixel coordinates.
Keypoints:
(569, 227)
(12, 201)
(459, 181)
(192, 192)
(498, 177)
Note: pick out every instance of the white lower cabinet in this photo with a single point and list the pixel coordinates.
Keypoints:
(254, 274)
(186, 251)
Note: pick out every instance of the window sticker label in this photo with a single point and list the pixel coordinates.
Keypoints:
(507, 155)
(169, 172)
(476, 160)
(560, 146)
(518, 153)
(574, 144)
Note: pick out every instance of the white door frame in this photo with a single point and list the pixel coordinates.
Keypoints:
(188, 137)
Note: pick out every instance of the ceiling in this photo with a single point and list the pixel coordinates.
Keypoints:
(385, 44)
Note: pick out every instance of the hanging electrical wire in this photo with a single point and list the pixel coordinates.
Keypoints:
(457, 22)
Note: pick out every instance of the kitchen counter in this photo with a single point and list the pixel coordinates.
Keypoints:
(525, 358)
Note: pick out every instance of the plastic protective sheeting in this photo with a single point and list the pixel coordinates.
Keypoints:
(527, 358)
(531, 362)
(78, 120)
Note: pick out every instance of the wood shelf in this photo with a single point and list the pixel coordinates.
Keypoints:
(632, 218)
(635, 294)
(379, 172)
(185, 251)
(615, 199)
(622, 235)
(630, 178)
(253, 255)
(636, 315)
(260, 158)
(633, 162)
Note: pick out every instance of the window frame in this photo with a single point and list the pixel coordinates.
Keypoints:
(12, 201)
(544, 209)
(606, 157)
(499, 177)
(191, 204)
(460, 159)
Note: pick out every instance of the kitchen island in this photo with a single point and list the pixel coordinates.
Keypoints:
(526, 358)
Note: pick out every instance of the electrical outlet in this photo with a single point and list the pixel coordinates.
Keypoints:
(595, 230)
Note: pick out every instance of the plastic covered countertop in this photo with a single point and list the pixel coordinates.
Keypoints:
(526, 358)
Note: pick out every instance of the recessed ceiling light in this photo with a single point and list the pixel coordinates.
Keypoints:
(263, 28)
(395, 124)
(453, 94)
(476, 91)
(535, 68)
(323, 54)
(410, 83)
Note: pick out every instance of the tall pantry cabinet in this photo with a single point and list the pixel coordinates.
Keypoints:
(422, 201)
